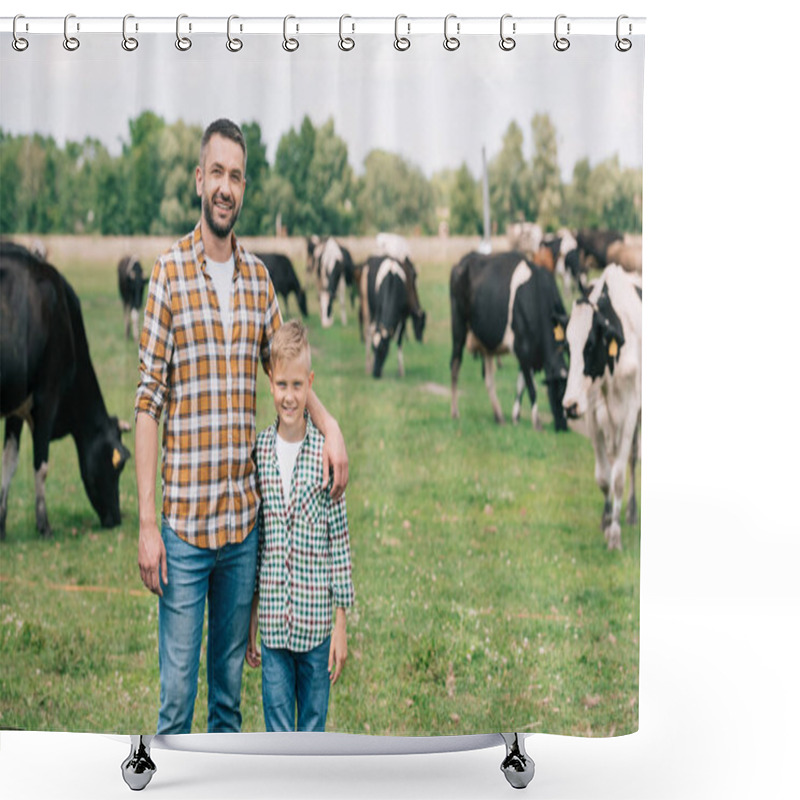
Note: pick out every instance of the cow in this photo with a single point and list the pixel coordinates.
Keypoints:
(388, 297)
(524, 237)
(333, 268)
(132, 285)
(500, 304)
(392, 245)
(284, 279)
(47, 380)
(593, 246)
(604, 336)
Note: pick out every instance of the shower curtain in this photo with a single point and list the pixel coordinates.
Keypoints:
(493, 591)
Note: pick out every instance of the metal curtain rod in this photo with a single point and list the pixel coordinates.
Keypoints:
(349, 25)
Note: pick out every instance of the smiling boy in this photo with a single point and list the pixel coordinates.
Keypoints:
(304, 570)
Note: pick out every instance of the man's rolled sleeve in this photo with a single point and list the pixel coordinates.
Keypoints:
(155, 346)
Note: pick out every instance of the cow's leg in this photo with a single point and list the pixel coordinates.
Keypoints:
(368, 347)
(126, 310)
(135, 323)
(515, 411)
(10, 461)
(343, 301)
(41, 429)
(489, 370)
(632, 511)
(459, 337)
(602, 468)
(627, 434)
(400, 365)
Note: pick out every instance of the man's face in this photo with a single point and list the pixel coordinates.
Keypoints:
(220, 184)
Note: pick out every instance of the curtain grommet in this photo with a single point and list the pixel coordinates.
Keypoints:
(233, 44)
(183, 43)
(346, 43)
(561, 43)
(451, 43)
(401, 43)
(129, 43)
(71, 43)
(289, 44)
(19, 43)
(507, 43)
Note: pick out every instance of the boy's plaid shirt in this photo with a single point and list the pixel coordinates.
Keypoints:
(304, 569)
(207, 389)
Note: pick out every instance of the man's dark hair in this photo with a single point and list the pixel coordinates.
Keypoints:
(230, 130)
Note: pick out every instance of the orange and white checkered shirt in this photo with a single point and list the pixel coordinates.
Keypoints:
(207, 388)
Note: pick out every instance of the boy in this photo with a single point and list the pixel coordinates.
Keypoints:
(304, 569)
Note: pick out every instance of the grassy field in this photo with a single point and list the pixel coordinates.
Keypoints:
(486, 598)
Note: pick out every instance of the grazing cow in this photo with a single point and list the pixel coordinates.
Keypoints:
(388, 297)
(500, 304)
(132, 285)
(593, 246)
(47, 380)
(330, 262)
(284, 279)
(604, 335)
(628, 256)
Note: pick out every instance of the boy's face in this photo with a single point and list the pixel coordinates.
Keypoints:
(290, 382)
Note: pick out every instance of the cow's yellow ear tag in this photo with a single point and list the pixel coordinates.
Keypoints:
(558, 332)
(613, 348)
(116, 458)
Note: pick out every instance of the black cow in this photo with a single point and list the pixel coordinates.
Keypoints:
(284, 279)
(593, 246)
(47, 380)
(503, 303)
(132, 283)
(388, 297)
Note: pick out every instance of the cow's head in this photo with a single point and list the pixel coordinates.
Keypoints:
(594, 339)
(418, 321)
(101, 465)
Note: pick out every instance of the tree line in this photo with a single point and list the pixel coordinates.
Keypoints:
(308, 186)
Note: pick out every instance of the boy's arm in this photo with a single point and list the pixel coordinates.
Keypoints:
(334, 452)
(338, 653)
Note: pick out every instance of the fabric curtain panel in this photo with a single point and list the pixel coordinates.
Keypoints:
(459, 230)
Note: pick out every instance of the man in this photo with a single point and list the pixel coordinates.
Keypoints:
(210, 316)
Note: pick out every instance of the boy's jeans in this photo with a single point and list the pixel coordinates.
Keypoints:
(227, 577)
(288, 677)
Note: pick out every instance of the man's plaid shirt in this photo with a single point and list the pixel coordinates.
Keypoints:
(304, 569)
(207, 389)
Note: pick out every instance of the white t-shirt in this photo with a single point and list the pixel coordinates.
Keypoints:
(221, 273)
(287, 457)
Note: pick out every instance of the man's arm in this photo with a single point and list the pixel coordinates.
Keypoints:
(152, 555)
(334, 452)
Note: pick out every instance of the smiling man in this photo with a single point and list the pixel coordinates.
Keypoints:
(210, 317)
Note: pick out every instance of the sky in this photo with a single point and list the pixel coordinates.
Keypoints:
(436, 108)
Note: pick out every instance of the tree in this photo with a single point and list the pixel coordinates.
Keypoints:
(509, 181)
(394, 196)
(546, 174)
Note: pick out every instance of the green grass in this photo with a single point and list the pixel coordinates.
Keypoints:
(486, 599)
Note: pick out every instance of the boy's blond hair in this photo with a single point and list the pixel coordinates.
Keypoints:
(289, 342)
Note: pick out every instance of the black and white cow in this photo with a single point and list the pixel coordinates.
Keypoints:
(47, 380)
(333, 269)
(593, 246)
(500, 304)
(605, 384)
(388, 297)
(284, 279)
(132, 284)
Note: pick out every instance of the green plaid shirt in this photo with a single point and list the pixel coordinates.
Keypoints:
(304, 569)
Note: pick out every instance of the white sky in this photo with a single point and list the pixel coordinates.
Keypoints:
(434, 107)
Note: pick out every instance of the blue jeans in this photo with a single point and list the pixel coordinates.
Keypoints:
(227, 578)
(289, 678)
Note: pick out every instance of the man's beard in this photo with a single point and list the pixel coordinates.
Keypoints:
(220, 231)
